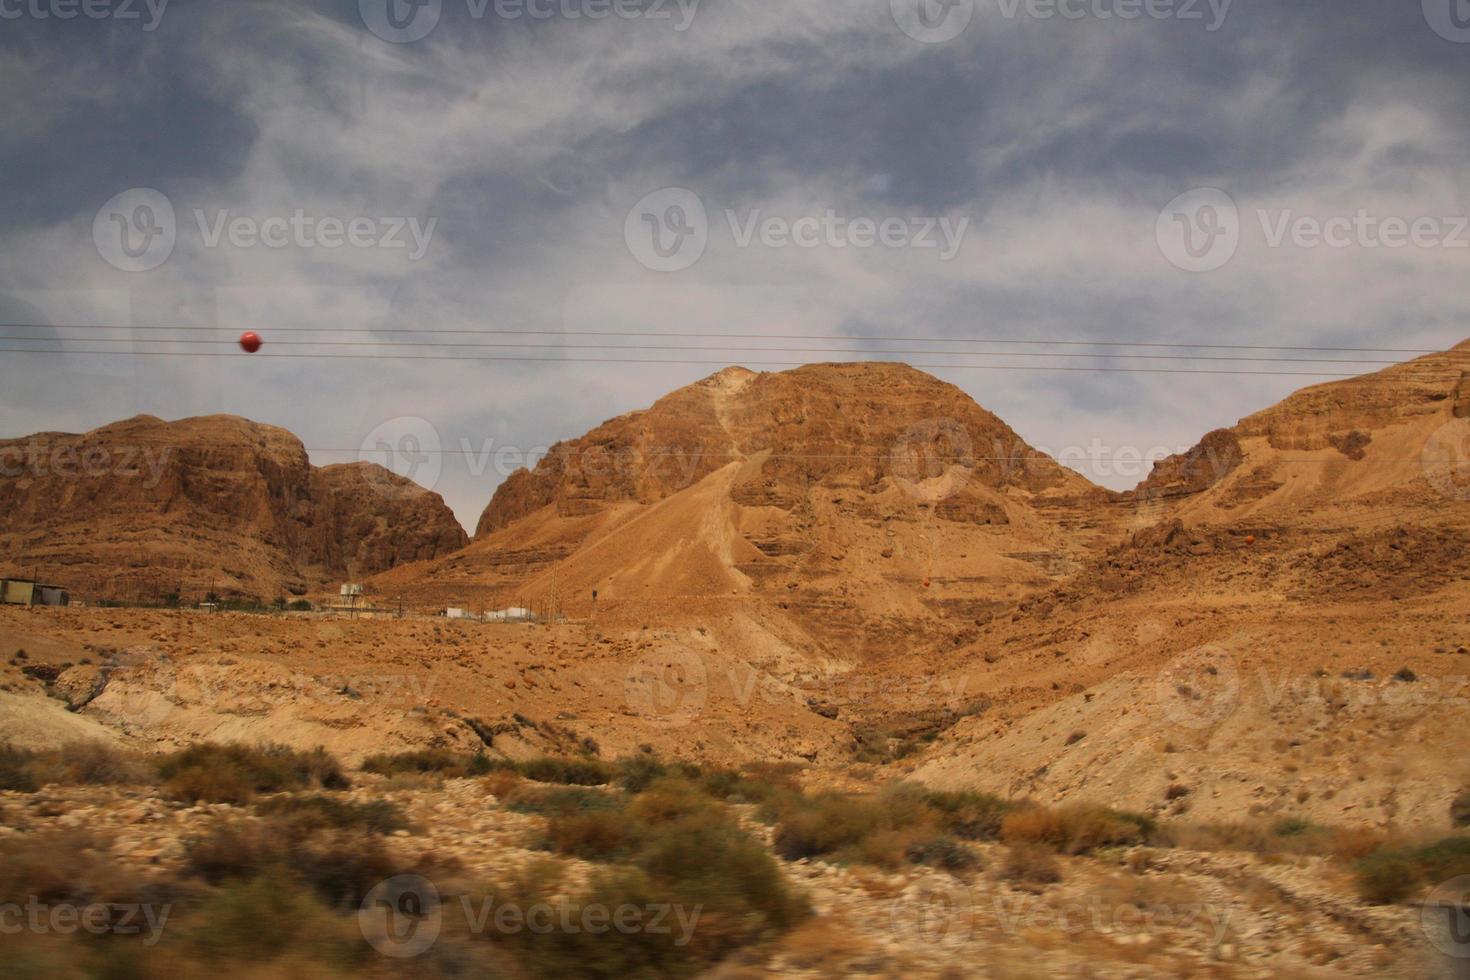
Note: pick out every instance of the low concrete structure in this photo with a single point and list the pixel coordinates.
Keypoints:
(24, 592)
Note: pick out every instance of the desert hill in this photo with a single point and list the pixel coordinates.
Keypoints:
(1283, 631)
(852, 425)
(859, 500)
(1385, 439)
(142, 508)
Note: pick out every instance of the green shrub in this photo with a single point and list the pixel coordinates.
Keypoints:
(636, 773)
(560, 799)
(1391, 874)
(1460, 810)
(235, 773)
(312, 813)
(611, 954)
(1077, 829)
(99, 764)
(268, 917)
(706, 858)
(15, 770)
(763, 784)
(1030, 863)
(903, 823)
(876, 746)
(341, 865)
(594, 835)
(678, 848)
(88, 763)
(1387, 877)
(1292, 827)
(944, 853)
(62, 867)
(568, 772)
(668, 800)
(1444, 859)
(818, 826)
(971, 815)
(435, 762)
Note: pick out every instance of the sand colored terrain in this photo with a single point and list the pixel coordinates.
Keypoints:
(823, 566)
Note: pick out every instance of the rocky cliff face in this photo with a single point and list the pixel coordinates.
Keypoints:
(376, 519)
(143, 507)
(1386, 441)
(1209, 462)
(866, 426)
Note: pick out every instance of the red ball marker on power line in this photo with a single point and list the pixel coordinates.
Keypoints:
(250, 341)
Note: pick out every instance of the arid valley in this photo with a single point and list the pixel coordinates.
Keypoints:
(985, 717)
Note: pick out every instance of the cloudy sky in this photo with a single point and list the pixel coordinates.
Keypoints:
(1273, 173)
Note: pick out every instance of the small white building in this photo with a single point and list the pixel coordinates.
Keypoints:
(512, 615)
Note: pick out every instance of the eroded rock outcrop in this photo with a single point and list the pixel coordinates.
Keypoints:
(143, 508)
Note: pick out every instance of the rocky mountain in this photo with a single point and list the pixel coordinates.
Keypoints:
(851, 502)
(376, 519)
(143, 507)
(1386, 440)
(867, 426)
(1289, 609)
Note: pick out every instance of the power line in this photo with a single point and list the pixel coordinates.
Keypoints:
(675, 347)
(958, 459)
(696, 335)
(683, 361)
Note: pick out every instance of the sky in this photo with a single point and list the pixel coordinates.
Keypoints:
(806, 174)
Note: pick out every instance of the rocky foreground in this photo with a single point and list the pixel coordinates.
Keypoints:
(986, 908)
